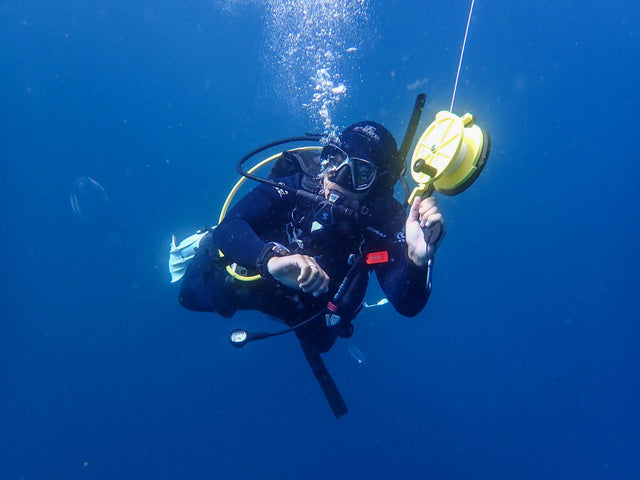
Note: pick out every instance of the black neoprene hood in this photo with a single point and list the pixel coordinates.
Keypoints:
(372, 141)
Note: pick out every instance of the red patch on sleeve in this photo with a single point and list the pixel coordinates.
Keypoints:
(377, 257)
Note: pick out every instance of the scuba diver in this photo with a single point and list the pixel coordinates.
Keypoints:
(301, 246)
(313, 232)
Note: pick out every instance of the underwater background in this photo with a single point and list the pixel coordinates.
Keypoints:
(524, 364)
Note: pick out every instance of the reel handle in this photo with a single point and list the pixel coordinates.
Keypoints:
(432, 235)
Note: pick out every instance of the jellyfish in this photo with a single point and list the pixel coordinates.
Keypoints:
(88, 198)
(356, 353)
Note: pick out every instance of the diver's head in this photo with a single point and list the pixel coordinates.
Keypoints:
(364, 159)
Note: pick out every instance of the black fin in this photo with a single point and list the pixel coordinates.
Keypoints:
(336, 402)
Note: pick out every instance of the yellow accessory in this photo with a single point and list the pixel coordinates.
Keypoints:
(449, 156)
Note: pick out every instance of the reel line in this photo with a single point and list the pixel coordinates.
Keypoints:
(464, 44)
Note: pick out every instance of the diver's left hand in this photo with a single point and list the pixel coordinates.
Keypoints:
(301, 272)
(424, 221)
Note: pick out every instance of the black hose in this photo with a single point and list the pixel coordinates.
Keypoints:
(239, 166)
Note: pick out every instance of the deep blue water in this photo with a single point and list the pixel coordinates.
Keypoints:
(525, 363)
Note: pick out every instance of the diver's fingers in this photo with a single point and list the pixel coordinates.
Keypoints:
(414, 213)
(286, 270)
(314, 281)
(427, 204)
(305, 273)
(323, 287)
(313, 278)
(430, 218)
(308, 270)
(312, 284)
(317, 285)
(307, 279)
(429, 213)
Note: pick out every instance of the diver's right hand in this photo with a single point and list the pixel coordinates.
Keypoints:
(300, 272)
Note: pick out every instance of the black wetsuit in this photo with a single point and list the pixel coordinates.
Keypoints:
(268, 214)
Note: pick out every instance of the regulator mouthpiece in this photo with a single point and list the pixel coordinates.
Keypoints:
(327, 210)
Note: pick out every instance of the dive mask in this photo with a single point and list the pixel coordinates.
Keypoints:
(353, 173)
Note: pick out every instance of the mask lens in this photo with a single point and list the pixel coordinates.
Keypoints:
(332, 157)
(356, 174)
(364, 173)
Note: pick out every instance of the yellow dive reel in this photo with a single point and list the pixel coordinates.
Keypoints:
(449, 155)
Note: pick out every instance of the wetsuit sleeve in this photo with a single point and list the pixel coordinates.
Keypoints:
(403, 282)
(240, 236)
